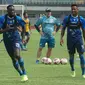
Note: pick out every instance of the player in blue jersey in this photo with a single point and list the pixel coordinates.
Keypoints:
(75, 26)
(48, 23)
(9, 25)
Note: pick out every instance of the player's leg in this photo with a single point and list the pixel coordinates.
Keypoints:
(82, 64)
(21, 43)
(16, 65)
(10, 51)
(39, 52)
(38, 55)
(71, 51)
(20, 60)
(48, 54)
(51, 44)
(71, 61)
(80, 49)
(27, 39)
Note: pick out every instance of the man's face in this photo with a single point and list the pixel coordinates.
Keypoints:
(11, 11)
(48, 14)
(26, 15)
(74, 10)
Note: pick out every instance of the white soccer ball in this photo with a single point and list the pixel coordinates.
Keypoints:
(56, 61)
(64, 61)
(48, 61)
(43, 59)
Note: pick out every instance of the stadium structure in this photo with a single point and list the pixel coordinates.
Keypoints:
(36, 8)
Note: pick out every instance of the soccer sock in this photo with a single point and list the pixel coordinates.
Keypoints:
(16, 66)
(21, 63)
(82, 62)
(71, 60)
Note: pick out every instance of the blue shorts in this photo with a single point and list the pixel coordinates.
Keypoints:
(11, 46)
(73, 46)
(49, 41)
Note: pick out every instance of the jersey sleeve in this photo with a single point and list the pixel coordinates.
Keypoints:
(39, 22)
(64, 23)
(82, 20)
(21, 22)
(57, 22)
(1, 21)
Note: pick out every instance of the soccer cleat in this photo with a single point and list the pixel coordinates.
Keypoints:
(24, 78)
(83, 76)
(37, 61)
(73, 74)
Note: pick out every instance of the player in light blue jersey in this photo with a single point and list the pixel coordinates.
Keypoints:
(75, 25)
(48, 23)
(9, 26)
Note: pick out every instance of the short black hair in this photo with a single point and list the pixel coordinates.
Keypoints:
(18, 14)
(10, 6)
(25, 12)
(48, 10)
(74, 5)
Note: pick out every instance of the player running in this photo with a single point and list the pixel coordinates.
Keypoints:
(9, 27)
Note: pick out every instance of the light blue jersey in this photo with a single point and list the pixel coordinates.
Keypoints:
(47, 25)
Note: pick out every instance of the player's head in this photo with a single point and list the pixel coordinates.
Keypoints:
(74, 9)
(48, 12)
(18, 14)
(11, 10)
(25, 14)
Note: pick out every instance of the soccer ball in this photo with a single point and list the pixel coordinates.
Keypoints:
(64, 61)
(56, 61)
(43, 59)
(48, 61)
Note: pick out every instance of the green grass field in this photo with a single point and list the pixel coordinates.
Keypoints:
(39, 74)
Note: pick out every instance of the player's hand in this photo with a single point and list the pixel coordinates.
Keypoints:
(54, 33)
(41, 33)
(61, 42)
(7, 27)
(19, 28)
(23, 41)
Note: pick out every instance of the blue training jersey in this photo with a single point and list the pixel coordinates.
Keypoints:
(11, 34)
(74, 34)
(47, 25)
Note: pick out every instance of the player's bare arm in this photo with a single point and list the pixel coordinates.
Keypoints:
(83, 34)
(62, 35)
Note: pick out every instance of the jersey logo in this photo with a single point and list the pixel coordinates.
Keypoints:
(17, 45)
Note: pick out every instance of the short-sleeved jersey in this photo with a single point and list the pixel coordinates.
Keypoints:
(11, 34)
(74, 34)
(27, 25)
(47, 25)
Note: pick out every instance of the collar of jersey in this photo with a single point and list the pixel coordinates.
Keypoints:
(73, 16)
(10, 17)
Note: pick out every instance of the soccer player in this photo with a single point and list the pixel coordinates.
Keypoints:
(75, 24)
(9, 27)
(27, 30)
(47, 33)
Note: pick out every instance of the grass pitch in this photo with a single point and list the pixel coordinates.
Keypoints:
(39, 74)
